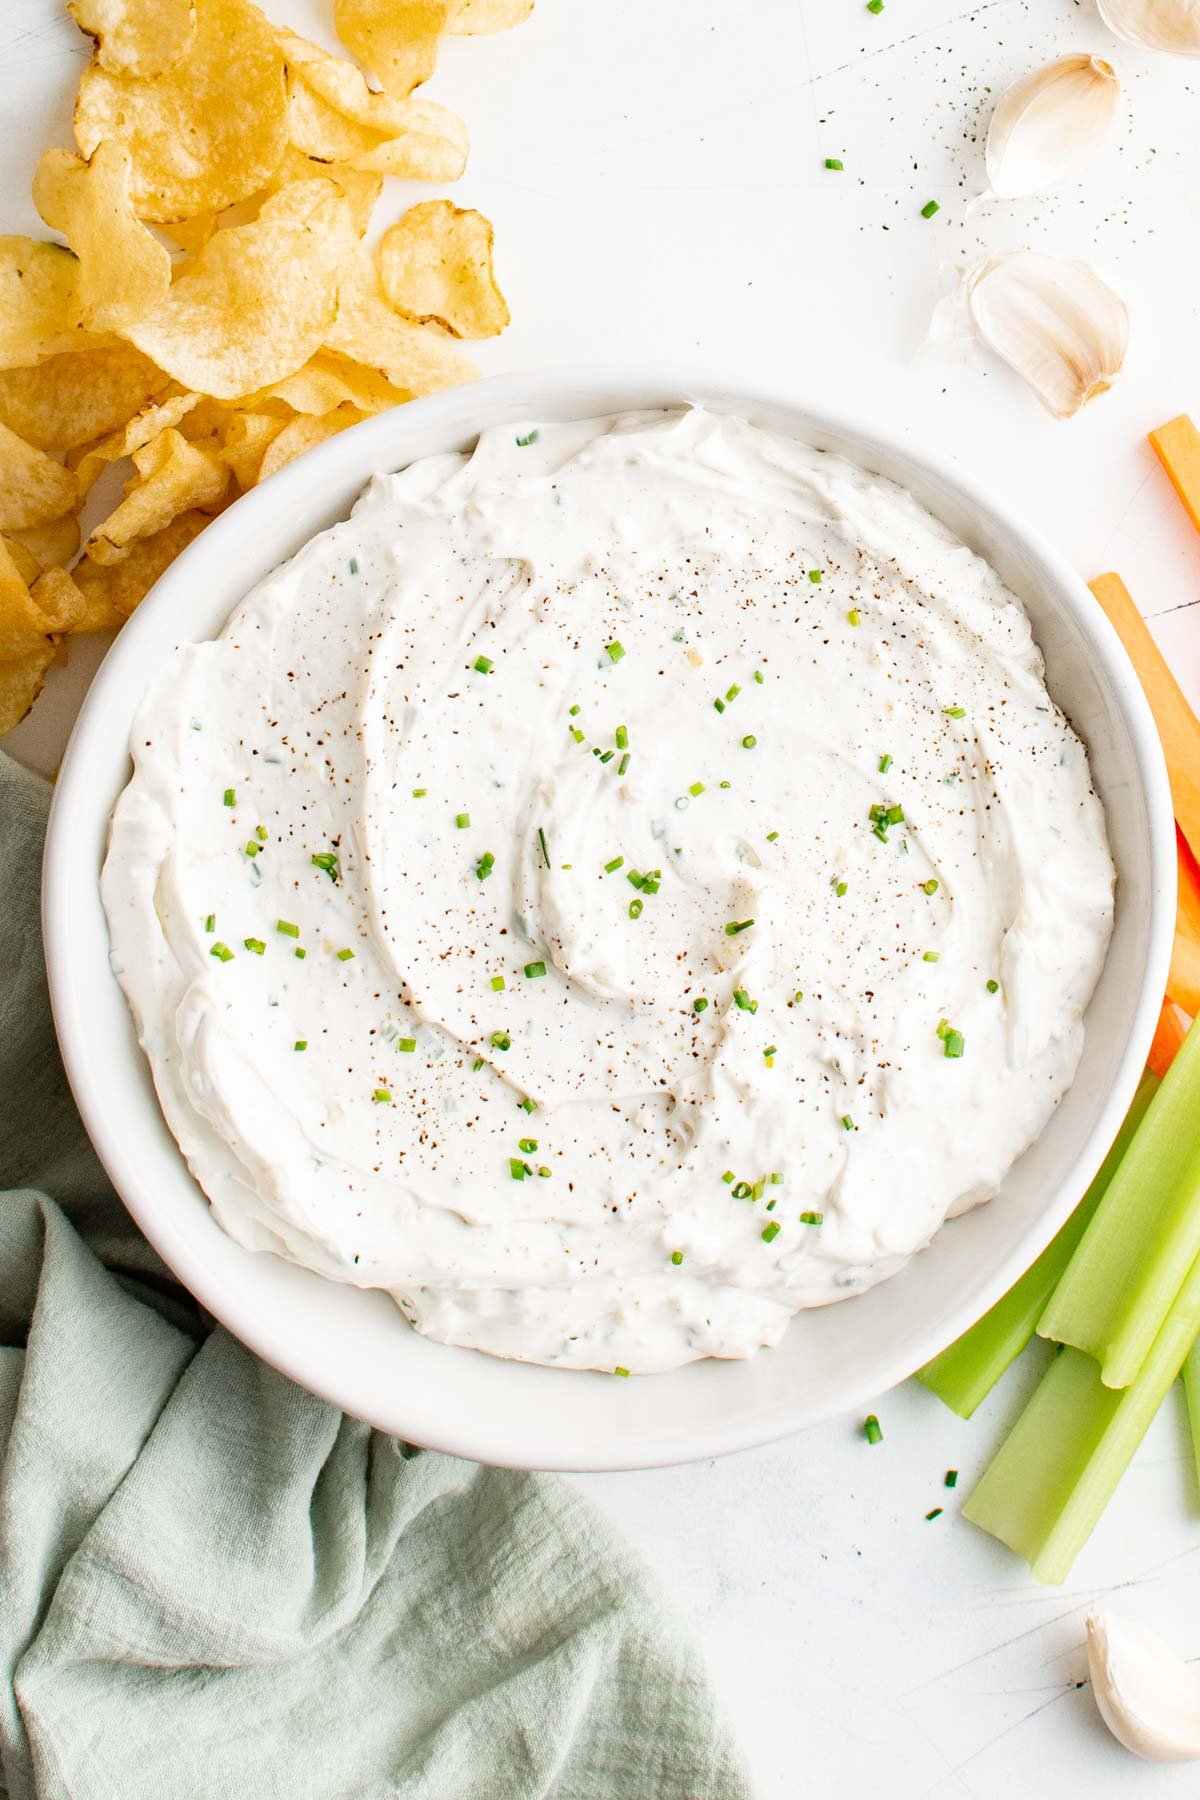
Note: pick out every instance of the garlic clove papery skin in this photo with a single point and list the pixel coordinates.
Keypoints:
(1170, 25)
(1054, 321)
(1147, 1695)
(1050, 125)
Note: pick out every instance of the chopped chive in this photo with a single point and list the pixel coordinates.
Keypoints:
(485, 865)
(934, 1513)
(573, 710)
(854, 616)
(542, 842)
(252, 849)
(230, 796)
(955, 712)
(260, 832)
(477, 1065)
(533, 970)
(697, 787)
(300, 953)
(527, 1105)
(354, 565)
(635, 909)
(951, 1478)
(929, 208)
(517, 1169)
(484, 665)
(758, 676)
(300, 1044)
(615, 864)
(419, 793)
(772, 836)
(847, 1122)
(727, 1177)
(885, 763)
(742, 1190)
(880, 831)
(841, 888)
(930, 886)
(874, 6)
(577, 734)
(210, 923)
(677, 1257)
(621, 738)
(719, 705)
(812, 1218)
(254, 945)
(500, 1040)
(222, 952)
(497, 984)
(616, 650)
(327, 861)
(407, 1045)
(931, 956)
(345, 956)
(530, 438)
(732, 692)
(635, 878)
(871, 1429)
(528, 1145)
(993, 987)
(461, 821)
(605, 756)
(620, 1371)
(543, 1171)
(623, 764)
(286, 927)
(798, 996)
(726, 784)
(776, 1179)
(814, 575)
(736, 925)
(382, 1097)
(749, 741)
(953, 1044)
(770, 1232)
(700, 1005)
(770, 1052)
(833, 162)
(943, 1027)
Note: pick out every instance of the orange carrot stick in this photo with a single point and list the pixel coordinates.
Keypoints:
(1183, 981)
(1177, 724)
(1169, 1035)
(1177, 446)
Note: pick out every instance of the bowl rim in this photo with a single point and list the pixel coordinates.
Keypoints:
(365, 447)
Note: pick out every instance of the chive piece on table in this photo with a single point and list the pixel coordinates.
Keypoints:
(871, 1429)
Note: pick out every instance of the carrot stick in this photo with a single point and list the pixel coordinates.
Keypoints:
(1177, 724)
(1172, 1029)
(1183, 980)
(1177, 446)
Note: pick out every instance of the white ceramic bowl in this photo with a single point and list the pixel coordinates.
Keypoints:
(353, 1347)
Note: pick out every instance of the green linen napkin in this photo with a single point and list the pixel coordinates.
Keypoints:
(213, 1584)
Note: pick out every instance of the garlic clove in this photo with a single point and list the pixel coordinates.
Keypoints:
(1049, 125)
(1147, 1695)
(1052, 320)
(1171, 25)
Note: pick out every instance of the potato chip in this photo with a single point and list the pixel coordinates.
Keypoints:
(247, 437)
(361, 187)
(327, 381)
(123, 269)
(143, 428)
(333, 115)
(137, 37)
(24, 561)
(58, 600)
(436, 267)
(418, 359)
(397, 40)
(33, 487)
(111, 591)
(305, 434)
(432, 146)
(207, 133)
(172, 477)
(22, 627)
(74, 397)
(39, 302)
(259, 299)
(53, 544)
(476, 16)
(21, 683)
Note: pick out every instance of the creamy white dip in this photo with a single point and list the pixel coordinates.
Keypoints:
(618, 888)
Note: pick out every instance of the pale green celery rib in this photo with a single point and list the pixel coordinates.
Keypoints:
(1191, 1389)
(1047, 1485)
(969, 1368)
(1144, 1238)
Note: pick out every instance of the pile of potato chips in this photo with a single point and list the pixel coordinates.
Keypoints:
(214, 310)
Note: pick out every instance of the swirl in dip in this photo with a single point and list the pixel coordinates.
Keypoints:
(618, 888)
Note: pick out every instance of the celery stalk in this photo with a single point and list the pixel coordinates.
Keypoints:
(1191, 1389)
(1144, 1238)
(972, 1365)
(1047, 1485)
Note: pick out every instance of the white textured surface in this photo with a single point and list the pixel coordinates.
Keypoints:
(654, 170)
